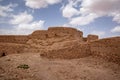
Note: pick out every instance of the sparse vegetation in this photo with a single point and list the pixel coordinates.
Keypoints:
(23, 66)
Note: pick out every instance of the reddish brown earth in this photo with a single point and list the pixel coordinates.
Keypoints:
(87, 68)
(59, 54)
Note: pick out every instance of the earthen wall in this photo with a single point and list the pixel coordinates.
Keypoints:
(92, 38)
(11, 48)
(57, 32)
(108, 49)
(39, 34)
(13, 39)
(70, 52)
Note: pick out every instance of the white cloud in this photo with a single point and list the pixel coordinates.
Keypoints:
(116, 17)
(4, 10)
(21, 18)
(67, 25)
(97, 8)
(31, 26)
(69, 11)
(6, 32)
(23, 23)
(83, 20)
(53, 1)
(36, 4)
(102, 8)
(116, 29)
(23, 29)
(99, 33)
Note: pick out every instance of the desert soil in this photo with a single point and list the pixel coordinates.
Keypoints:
(87, 68)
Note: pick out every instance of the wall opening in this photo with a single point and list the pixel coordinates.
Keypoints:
(3, 54)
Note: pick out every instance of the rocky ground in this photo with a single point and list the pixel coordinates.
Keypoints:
(39, 68)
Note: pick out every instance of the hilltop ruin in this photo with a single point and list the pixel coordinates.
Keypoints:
(15, 43)
(61, 42)
(50, 33)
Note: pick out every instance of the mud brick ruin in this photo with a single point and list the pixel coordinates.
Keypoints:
(61, 42)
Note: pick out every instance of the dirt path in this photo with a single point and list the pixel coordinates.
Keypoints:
(87, 68)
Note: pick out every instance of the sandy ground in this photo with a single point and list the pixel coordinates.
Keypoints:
(87, 68)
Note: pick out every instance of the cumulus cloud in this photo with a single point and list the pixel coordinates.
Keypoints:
(83, 20)
(36, 4)
(6, 32)
(102, 8)
(69, 11)
(116, 17)
(5, 9)
(21, 18)
(23, 29)
(97, 8)
(31, 26)
(23, 23)
(116, 29)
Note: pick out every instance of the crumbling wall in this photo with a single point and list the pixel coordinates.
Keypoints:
(39, 34)
(69, 52)
(54, 32)
(12, 44)
(63, 43)
(40, 39)
(11, 48)
(13, 39)
(108, 49)
(62, 30)
(92, 38)
(66, 31)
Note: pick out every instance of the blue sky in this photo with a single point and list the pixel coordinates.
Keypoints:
(90, 16)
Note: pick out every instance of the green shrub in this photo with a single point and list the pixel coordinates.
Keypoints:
(23, 66)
